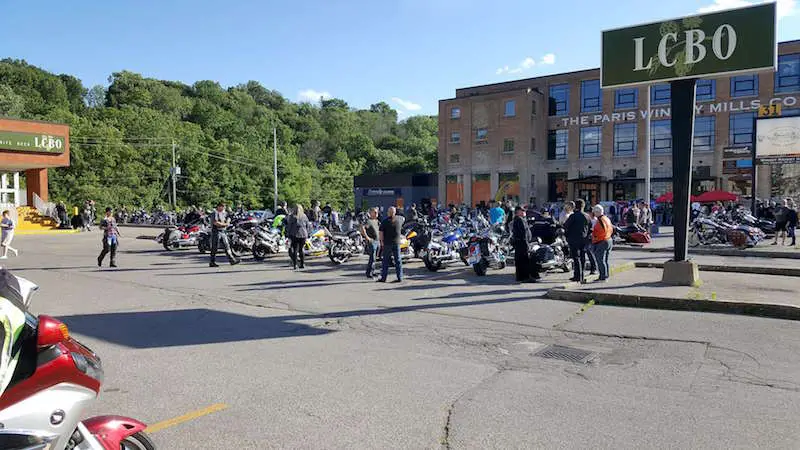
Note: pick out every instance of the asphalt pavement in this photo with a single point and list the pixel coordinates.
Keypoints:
(258, 356)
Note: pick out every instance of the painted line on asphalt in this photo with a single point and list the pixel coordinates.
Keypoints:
(186, 417)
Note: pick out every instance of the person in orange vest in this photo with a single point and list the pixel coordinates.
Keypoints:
(601, 241)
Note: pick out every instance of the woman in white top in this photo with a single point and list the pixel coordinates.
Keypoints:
(7, 226)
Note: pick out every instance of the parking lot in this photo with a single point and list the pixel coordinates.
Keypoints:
(258, 356)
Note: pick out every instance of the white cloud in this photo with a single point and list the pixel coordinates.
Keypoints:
(406, 104)
(526, 64)
(310, 95)
(549, 59)
(785, 7)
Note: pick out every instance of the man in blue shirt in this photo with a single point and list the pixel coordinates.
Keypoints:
(496, 215)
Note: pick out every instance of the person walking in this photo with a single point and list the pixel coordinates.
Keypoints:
(8, 234)
(791, 222)
(370, 232)
(781, 221)
(645, 219)
(601, 241)
(297, 226)
(391, 234)
(520, 237)
(578, 229)
(110, 239)
(219, 222)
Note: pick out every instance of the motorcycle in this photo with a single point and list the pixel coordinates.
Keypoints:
(317, 243)
(267, 242)
(486, 251)
(631, 234)
(55, 379)
(184, 236)
(552, 257)
(448, 248)
(344, 247)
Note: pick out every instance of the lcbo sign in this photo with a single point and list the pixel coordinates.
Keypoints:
(724, 42)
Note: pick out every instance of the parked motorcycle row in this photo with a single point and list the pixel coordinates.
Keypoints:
(439, 242)
(48, 380)
(738, 228)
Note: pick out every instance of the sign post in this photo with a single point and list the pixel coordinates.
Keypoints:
(679, 51)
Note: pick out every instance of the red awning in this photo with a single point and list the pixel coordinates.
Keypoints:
(717, 196)
(668, 198)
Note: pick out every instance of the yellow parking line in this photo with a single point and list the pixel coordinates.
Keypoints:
(186, 417)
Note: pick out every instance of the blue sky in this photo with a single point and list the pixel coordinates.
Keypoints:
(409, 53)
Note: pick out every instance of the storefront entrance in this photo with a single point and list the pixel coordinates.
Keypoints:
(589, 192)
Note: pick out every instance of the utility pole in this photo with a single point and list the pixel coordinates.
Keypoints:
(174, 170)
(275, 167)
(648, 169)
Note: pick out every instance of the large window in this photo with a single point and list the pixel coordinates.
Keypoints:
(591, 100)
(481, 189)
(660, 94)
(661, 136)
(455, 158)
(455, 137)
(510, 108)
(559, 100)
(741, 128)
(625, 139)
(557, 144)
(590, 142)
(787, 77)
(508, 145)
(744, 86)
(481, 135)
(704, 131)
(705, 90)
(626, 98)
(455, 189)
(455, 113)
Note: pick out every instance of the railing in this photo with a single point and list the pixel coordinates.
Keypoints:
(45, 209)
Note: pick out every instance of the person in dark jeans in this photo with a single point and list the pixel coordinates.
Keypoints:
(110, 239)
(791, 221)
(390, 235)
(219, 222)
(297, 226)
(520, 237)
(370, 232)
(578, 229)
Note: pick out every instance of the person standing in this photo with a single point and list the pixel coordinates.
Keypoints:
(601, 241)
(110, 239)
(578, 228)
(297, 226)
(791, 221)
(219, 222)
(391, 234)
(781, 220)
(645, 216)
(520, 237)
(281, 209)
(569, 209)
(8, 234)
(497, 215)
(370, 232)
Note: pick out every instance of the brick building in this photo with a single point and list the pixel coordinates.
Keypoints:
(558, 137)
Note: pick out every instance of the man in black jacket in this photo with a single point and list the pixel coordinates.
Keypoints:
(577, 229)
(520, 237)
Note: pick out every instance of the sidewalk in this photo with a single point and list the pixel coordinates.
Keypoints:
(731, 293)
(664, 242)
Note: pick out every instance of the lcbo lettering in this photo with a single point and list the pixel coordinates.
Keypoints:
(695, 50)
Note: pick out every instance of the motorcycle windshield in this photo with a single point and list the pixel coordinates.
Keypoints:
(17, 331)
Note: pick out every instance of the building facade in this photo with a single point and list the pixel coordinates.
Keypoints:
(394, 189)
(560, 137)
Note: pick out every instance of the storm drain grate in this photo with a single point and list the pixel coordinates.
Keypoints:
(563, 353)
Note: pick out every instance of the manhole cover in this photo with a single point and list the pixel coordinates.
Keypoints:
(563, 353)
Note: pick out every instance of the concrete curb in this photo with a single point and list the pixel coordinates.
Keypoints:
(758, 270)
(619, 268)
(54, 231)
(771, 310)
(716, 252)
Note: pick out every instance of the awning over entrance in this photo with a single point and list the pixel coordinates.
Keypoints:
(592, 179)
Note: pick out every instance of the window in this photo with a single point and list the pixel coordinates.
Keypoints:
(627, 173)
(533, 145)
(591, 96)
(508, 146)
(626, 98)
(533, 107)
(741, 128)
(787, 77)
(557, 141)
(790, 112)
(510, 108)
(481, 135)
(559, 100)
(745, 85)
(455, 137)
(590, 142)
(455, 113)
(705, 90)
(701, 172)
(704, 132)
(625, 139)
(556, 186)
(660, 94)
(661, 136)
(455, 158)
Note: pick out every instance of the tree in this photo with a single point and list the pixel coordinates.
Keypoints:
(95, 97)
(11, 104)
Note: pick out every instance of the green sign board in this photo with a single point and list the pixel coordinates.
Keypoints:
(32, 142)
(737, 40)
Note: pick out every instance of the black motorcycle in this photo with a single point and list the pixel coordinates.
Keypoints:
(345, 246)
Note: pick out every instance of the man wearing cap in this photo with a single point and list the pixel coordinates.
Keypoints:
(219, 222)
(601, 241)
(520, 237)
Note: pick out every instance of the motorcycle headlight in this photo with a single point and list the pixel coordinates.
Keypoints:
(91, 367)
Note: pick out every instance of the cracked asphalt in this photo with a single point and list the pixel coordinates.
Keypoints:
(324, 359)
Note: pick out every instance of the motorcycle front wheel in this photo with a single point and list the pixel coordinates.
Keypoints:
(137, 441)
(338, 254)
(480, 267)
(260, 252)
(430, 265)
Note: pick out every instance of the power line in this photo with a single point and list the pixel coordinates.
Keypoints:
(245, 162)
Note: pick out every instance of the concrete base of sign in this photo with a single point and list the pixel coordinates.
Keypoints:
(681, 273)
